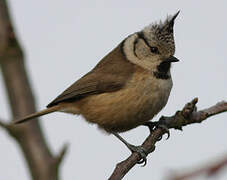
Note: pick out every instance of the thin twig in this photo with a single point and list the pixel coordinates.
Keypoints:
(210, 170)
(59, 158)
(188, 115)
(3, 124)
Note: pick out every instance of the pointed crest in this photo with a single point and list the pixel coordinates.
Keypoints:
(169, 23)
(162, 32)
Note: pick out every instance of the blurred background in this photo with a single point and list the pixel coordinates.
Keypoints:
(63, 40)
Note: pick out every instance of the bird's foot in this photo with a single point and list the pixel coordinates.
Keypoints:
(158, 124)
(142, 152)
(139, 149)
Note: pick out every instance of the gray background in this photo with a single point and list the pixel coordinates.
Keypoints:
(64, 39)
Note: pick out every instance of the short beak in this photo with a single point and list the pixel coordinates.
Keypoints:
(171, 59)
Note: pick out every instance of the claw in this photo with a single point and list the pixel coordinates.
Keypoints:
(142, 152)
(160, 138)
(159, 124)
(143, 160)
(166, 130)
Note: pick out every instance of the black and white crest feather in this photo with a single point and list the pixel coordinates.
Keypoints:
(163, 31)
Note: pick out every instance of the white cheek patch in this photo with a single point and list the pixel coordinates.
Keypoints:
(141, 57)
(141, 49)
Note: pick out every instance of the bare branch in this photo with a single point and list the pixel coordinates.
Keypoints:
(29, 136)
(3, 124)
(211, 170)
(188, 115)
(61, 155)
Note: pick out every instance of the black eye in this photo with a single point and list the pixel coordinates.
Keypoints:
(154, 50)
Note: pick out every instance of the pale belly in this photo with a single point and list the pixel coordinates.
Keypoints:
(129, 107)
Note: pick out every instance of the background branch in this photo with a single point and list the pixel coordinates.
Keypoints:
(210, 170)
(3, 124)
(29, 136)
(188, 115)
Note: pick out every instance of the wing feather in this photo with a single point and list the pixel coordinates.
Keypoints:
(110, 74)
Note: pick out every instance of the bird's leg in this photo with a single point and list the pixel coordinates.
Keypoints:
(139, 149)
(158, 124)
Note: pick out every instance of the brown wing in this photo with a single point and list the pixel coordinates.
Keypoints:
(110, 74)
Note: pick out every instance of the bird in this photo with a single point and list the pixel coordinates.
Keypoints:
(127, 88)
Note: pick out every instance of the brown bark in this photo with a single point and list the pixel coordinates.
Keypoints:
(43, 165)
(188, 115)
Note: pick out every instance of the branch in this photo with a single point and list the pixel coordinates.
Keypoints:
(3, 124)
(9, 129)
(30, 138)
(188, 115)
(60, 157)
(211, 170)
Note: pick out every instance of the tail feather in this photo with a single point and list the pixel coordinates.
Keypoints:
(37, 114)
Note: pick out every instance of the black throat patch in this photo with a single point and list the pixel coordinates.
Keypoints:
(162, 70)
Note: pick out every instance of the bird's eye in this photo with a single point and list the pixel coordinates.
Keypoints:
(154, 50)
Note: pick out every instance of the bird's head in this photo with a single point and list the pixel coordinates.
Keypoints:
(152, 46)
